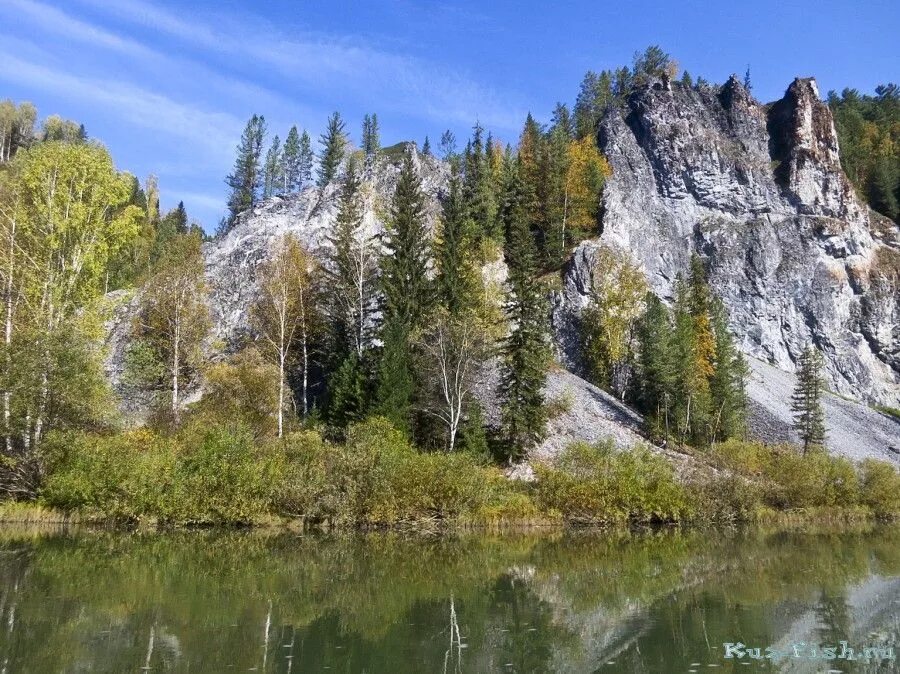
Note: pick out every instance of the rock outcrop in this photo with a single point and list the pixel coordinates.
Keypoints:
(758, 192)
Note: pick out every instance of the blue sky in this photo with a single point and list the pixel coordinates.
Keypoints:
(168, 85)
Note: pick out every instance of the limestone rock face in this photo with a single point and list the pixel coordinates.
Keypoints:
(758, 192)
(231, 261)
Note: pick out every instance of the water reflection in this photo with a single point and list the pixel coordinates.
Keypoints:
(575, 602)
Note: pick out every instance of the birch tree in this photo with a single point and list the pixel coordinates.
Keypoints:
(65, 213)
(174, 317)
(286, 313)
(453, 350)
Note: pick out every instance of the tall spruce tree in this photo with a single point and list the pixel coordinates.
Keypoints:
(806, 401)
(307, 159)
(525, 351)
(245, 180)
(657, 365)
(478, 190)
(290, 162)
(371, 142)
(272, 176)
(728, 383)
(408, 295)
(333, 142)
(350, 305)
(455, 281)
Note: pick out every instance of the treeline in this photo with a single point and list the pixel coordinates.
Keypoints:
(18, 129)
(679, 366)
(72, 228)
(869, 132)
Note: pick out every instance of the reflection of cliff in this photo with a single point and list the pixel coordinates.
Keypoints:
(868, 614)
(648, 602)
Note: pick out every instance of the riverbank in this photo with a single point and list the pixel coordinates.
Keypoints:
(218, 475)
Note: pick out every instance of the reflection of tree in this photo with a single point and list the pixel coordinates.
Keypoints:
(833, 613)
(210, 601)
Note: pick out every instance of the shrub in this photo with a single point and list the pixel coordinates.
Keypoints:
(880, 488)
(245, 388)
(598, 483)
(204, 475)
(812, 480)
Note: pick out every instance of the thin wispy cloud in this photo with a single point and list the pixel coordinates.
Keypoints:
(214, 131)
(394, 82)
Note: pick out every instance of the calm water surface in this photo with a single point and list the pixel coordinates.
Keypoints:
(566, 602)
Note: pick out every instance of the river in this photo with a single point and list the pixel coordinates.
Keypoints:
(655, 601)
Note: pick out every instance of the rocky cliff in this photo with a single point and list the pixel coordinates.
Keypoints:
(758, 192)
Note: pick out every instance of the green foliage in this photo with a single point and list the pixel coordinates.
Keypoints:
(333, 142)
(246, 178)
(868, 129)
(244, 387)
(597, 483)
(204, 475)
(691, 376)
(880, 488)
(785, 478)
(806, 401)
(408, 296)
(525, 353)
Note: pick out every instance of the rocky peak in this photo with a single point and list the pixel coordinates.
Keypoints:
(804, 146)
(758, 192)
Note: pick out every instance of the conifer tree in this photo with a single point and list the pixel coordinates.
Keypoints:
(272, 176)
(806, 401)
(371, 142)
(728, 384)
(595, 95)
(447, 145)
(426, 147)
(307, 159)
(333, 142)
(455, 281)
(657, 364)
(246, 178)
(478, 191)
(525, 351)
(351, 297)
(407, 292)
(290, 162)
(532, 173)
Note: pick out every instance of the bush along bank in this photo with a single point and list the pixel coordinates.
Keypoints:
(221, 474)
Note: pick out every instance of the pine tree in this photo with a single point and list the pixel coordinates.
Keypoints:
(371, 142)
(290, 162)
(447, 145)
(333, 142)
(595, 95)
(426, 147)
(353, 271)
(407, 294)
(532, 170)
(245, 180)
(525, 352)
(806, 402)
(747, 85)
(272, 176)
(307, 159)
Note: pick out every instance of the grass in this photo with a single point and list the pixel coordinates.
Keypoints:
(889, 411)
